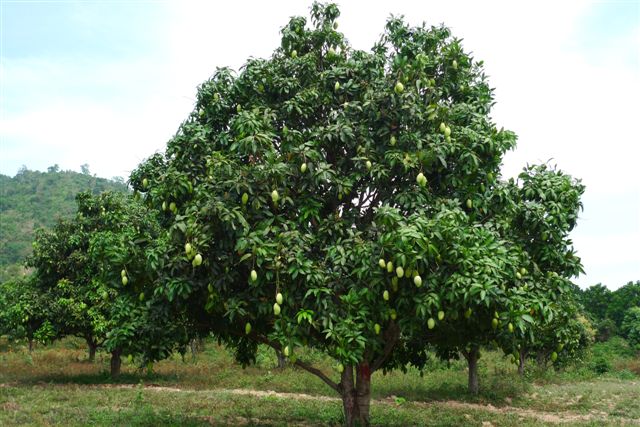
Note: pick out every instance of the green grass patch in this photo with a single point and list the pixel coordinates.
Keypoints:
(56, 385)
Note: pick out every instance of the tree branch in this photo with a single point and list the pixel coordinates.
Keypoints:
(320, 375)
(315, 371)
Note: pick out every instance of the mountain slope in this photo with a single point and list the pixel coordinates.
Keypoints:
(34, 199)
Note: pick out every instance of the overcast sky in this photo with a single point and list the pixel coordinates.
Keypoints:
(108, 82)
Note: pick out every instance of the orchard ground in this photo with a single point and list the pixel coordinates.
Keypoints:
(56, 385)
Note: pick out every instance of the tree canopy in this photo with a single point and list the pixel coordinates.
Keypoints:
(340, 199)
(26, 311)
(75, 265)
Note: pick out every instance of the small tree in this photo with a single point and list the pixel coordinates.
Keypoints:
(474, 283)
(326, 197)
(539, 214)
(559, 340)
(533, 216)
(72, 268)
(25, 312)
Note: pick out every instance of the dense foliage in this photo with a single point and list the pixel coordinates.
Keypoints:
(26, 311)
(94, 270)
(607, 309)
(631, 326)
(31, 200)
(533, 310)
(341, 200)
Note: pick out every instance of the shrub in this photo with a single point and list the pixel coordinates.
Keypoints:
(606, 329)
(601, 365)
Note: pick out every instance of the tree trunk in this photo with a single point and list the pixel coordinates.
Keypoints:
(197, 346)
(193, 344)
(472, 360)
(356, 395)
(30, 345)
(349, 397)
(92, 350)
(282, 361)
(523, 358)
(116, 362)
(363, 392)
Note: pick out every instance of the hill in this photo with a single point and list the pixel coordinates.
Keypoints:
(34, 199)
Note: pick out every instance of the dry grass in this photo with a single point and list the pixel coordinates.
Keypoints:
(631, 365)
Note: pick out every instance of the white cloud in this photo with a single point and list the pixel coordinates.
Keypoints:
(103, 114)
(112, 143)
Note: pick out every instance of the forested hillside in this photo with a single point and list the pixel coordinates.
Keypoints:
(34, 199)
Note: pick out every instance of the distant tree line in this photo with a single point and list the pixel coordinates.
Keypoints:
(613, 312)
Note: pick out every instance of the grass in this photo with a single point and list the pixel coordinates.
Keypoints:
(65, 363)
(68, 405)
(56, 385)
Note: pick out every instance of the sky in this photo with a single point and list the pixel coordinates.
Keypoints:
(107, 83)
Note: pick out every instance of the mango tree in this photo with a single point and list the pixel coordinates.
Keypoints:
(71, 267)
(562, 341)
(492, 288)
(469, 286)
(25, 312)
(325, 197)
(543, 209)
